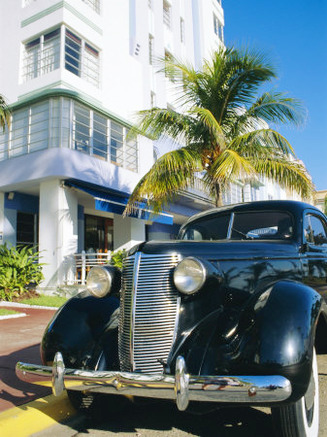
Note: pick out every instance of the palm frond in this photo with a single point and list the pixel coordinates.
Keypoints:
(173, 172)
(261, 143)
(277, 108)
(288, 174)
(230, 166)
(5, 114)
(156, 122)
(208, 119)
(242, 74)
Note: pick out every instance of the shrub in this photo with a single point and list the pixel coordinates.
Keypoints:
(117, 258)
(19, 271)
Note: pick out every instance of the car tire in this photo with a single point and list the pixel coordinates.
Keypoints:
(300, 419)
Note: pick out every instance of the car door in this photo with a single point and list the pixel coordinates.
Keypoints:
(315, 258)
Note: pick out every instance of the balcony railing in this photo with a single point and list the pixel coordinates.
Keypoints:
(85, 261)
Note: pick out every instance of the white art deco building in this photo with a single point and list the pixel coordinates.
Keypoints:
(75, 72)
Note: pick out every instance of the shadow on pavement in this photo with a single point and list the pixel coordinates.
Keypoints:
(161, 417)
(13, 391)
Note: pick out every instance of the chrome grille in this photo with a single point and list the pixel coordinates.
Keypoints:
(148, 315)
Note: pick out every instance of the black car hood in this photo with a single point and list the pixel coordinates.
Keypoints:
(223, 249)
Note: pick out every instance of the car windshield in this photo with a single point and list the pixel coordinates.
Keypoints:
(240, 226)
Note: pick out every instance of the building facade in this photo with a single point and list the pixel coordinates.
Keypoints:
(75, 74)
(320, 200)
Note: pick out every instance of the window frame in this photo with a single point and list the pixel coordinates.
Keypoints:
(308, 214)
(67, 50)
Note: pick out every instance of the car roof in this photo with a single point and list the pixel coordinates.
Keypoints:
(293, 206)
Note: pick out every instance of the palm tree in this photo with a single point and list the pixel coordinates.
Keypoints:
(4, 113)
(223, 132)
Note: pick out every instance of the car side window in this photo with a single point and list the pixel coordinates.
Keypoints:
(315, 230)
(212, 228)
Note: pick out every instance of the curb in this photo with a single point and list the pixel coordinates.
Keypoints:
(35, 416)
(12, 316)
(25, 305)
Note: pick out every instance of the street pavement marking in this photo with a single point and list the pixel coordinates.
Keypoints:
(35, 416)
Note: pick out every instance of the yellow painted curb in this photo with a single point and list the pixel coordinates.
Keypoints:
(24, 420)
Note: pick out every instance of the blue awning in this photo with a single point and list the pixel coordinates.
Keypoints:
(115, 202)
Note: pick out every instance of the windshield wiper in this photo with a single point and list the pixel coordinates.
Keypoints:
(247, 236)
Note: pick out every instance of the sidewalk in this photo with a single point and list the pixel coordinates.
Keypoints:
(20, 341)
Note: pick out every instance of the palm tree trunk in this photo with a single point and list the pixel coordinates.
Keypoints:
(218, 195)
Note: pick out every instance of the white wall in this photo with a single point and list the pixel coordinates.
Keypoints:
(58, 232)
(2, 217)
(128, 232)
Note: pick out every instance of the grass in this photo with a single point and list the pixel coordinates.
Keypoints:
(5, 312)
(46, 301)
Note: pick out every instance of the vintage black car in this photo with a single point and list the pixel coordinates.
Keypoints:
(233, 312)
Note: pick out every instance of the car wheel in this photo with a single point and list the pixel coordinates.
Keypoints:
(300, 419)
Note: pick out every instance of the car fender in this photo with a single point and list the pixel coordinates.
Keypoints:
(82, 329)
(280, 324)
(272, 334)
(279, 333)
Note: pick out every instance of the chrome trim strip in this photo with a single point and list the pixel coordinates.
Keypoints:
(182, 388)
(136, 268)
(230, 226)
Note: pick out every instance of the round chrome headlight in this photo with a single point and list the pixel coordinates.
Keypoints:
(99, 281)
(189, 275)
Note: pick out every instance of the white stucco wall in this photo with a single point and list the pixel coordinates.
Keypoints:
(58, 232)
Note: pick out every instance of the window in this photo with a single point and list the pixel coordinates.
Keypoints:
(73, 48)
(32, 57)
(91, 65)
(262, 225)
(94, 4)
(39, 126)
(100, 136)
(98, 234)
(167, 14)
(42, 55)
(315, 230)
(27, 2)
(182, 29)
(81, 58)
(151, 41)
(241, 226)
(116, 143)
(26, 230)
(153, 99)
(19, 138)
(210, 228)
(51, 51)
(218, 28)
(168, 58)
(81, 128)
(131, 154)
(64, 122)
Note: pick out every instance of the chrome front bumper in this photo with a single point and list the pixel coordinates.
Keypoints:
(180, 387)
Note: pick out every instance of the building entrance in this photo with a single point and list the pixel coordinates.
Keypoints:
(98, 234)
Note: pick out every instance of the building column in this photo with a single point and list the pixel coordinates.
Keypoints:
(2, 217)
(128, 231)
(58, 233)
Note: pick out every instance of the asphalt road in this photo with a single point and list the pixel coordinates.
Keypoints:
(163, 419)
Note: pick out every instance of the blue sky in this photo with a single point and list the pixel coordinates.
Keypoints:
(293, 33)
